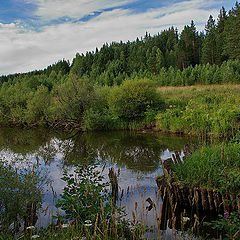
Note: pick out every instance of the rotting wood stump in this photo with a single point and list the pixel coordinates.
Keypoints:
(201, 199)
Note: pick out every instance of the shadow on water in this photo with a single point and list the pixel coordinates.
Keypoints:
(136, 154)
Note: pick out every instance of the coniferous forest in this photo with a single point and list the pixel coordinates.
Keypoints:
(117, 86)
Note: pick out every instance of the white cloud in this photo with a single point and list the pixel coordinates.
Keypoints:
(54, 9)
(31, 50)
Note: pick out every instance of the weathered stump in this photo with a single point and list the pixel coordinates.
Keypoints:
(203, 199)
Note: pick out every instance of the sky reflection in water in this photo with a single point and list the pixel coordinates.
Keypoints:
(136, 154)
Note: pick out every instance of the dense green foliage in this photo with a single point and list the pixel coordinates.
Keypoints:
(228, 224)
(133, 98)
(78, 102)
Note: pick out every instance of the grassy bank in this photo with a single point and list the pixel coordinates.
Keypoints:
(137, 103)
(216, 167)
(201, 110)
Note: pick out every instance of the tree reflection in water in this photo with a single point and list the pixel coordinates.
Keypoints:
(136, 154)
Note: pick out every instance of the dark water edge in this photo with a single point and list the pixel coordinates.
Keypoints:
(136, 154)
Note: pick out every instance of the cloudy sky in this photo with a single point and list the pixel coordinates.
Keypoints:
(37, 33)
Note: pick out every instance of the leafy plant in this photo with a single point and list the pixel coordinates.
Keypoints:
(84, 194)
(133, 98)
(229, 224)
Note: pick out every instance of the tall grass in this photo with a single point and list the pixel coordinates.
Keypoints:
(207, 167)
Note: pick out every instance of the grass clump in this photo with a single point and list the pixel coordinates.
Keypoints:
(215, 166)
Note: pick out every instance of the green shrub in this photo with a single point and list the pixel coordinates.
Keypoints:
(37, 106)
(84, 194)
(170, 120)
(133, 98)
(71, 99)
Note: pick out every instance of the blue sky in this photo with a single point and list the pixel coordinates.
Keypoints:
(36, 33)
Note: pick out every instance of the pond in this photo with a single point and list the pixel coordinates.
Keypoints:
(136, 154)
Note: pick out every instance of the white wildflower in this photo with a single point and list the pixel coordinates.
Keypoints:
(65, 225)
(35, 236)
(88, 223)
(30, 228)
(185, 220)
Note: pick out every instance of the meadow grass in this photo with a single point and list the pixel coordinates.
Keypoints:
(201, 110)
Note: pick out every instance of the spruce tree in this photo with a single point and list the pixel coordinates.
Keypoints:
(220, 38)
(209, 44)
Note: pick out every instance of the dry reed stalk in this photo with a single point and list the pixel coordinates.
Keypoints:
(100, 232)
(158, 196)
(143, 208)
(104, 166)
(133, 217)
(45, 210)
(114, 226)
(159, 223)
(95, 228)
(136, 205)
(236, 235)
(103, 221)
(122, 193)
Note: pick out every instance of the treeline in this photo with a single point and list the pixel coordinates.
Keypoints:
(115, 87)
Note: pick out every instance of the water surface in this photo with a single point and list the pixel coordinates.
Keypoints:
(136, 154)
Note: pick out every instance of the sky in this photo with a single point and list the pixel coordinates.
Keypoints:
(38, 33)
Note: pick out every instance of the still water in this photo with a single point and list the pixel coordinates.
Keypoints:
(136, 154)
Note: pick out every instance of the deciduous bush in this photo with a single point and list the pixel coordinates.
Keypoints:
(133, 98)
